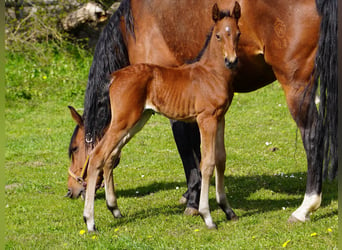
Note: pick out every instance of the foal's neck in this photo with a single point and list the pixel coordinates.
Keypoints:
(213, 59)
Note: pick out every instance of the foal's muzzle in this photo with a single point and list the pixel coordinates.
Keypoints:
(231, 64)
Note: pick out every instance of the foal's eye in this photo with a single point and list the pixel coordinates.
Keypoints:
(218, 37)
(74, 149)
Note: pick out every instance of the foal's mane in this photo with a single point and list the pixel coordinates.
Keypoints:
(222, 15)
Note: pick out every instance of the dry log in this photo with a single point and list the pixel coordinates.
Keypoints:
(89, 13)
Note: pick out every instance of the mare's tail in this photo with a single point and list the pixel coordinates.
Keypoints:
(110, 55)
(326, 86)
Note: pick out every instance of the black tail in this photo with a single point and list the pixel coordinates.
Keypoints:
(326, 85)
(110, 55)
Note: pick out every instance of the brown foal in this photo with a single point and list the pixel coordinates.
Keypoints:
(199, 92)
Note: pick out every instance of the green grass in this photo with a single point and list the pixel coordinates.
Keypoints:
(263, 187)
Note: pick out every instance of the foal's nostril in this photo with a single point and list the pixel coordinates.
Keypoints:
(229, 64)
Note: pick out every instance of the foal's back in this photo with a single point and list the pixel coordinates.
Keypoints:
(179, 93)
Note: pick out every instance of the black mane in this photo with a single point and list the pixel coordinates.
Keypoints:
(200, 54)
(222, 15)
(110, 55)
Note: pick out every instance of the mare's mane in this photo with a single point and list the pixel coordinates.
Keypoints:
(110, 55)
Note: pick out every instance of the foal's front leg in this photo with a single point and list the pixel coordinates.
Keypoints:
(208, 129)
(220, 158)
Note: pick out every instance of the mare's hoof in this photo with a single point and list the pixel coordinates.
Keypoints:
(191, 211)
(294, 219)
(183, 200)
(93, 231)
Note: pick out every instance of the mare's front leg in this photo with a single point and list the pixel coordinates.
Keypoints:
(221, 197)
(208, 129)
(187, 138)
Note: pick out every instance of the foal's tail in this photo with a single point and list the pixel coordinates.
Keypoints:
(110, 55)
(326, 85)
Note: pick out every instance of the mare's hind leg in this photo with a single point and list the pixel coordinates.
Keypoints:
(304, 113)
(187, 138)
(220, 159)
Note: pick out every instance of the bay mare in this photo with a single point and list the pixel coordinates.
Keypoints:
(199, 92)
(292, 41)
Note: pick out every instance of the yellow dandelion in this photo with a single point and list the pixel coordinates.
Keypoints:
(44, 77)
(196, 230)
(286, 242)
(329, 230)
(116, 229)
(82, 232)
(313, 234)
(253, 237)
(94, 237)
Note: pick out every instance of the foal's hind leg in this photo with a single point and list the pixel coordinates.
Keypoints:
(111, 199)
(220, 159)
(120, 131)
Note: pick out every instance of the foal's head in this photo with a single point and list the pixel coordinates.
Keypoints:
(78, 152)
(226, 32)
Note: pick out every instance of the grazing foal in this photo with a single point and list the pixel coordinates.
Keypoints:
(199, 92)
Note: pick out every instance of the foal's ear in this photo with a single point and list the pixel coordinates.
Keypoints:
(216, 13)
(237, 10)
(76, 116)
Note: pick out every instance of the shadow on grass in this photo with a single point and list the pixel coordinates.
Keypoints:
(290, 187)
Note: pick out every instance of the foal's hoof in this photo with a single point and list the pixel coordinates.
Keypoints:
(191, 211)
(212, 226)
(183, 200)
(234, 218)
(117, 213)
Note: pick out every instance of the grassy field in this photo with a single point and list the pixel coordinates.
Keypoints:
(264, 186)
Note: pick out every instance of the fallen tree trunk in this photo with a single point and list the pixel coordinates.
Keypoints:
(81, 21)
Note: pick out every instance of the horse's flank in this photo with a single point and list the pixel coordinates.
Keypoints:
(185, 95)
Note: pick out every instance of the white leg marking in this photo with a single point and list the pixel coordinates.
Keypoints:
(310, 203)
